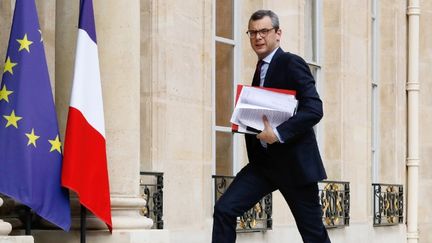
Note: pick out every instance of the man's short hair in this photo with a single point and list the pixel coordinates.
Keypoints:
(262, 13)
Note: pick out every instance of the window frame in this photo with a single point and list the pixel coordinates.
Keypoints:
(316, 52)
(236, 44)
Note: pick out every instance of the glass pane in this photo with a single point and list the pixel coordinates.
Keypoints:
(224, 153)
(224, 84)
(310, 30)
(224, 18)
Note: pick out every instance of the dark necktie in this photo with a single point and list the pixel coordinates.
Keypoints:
(257, 76)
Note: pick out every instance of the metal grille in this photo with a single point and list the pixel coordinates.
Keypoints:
(335, 202)
(258, 218)
(151, 186)
(388, 204)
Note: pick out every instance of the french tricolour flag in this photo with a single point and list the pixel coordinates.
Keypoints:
(84, 163)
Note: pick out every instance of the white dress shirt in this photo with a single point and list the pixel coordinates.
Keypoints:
(263, 72)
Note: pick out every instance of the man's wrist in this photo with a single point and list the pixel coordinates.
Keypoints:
(278, 138)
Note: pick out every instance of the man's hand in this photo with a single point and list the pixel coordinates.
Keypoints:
(267, 135)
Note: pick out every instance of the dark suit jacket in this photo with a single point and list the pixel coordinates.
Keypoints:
(296, 161)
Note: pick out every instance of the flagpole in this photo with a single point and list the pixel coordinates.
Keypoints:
(83, 223)
(28, 218)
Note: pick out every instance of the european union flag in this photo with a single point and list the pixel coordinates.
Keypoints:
(30, 147)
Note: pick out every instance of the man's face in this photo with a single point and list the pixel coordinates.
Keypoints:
(264, 45)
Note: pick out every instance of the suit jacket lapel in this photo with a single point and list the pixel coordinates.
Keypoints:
(267, 79)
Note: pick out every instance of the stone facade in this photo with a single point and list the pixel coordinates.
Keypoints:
(157, 59)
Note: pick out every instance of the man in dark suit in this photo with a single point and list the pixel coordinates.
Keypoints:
(286, 157)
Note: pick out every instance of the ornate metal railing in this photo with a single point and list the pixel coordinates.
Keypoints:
(151, 186)
(388, 204)
(335, 201)
(258, 218)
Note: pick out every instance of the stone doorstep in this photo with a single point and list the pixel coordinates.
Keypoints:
(16, 239)
(94, 236)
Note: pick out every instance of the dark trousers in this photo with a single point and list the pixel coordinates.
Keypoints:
(248, 187)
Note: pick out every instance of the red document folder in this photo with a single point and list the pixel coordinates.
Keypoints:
(235, 127)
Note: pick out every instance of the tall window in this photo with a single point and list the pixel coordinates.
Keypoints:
(224, 79)
(312, 28)
(375, 92)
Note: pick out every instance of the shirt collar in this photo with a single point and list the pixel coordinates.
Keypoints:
(268, 58)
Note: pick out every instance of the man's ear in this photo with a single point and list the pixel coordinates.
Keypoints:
(279, 34)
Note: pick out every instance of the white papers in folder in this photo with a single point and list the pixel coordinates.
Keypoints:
(254, 103)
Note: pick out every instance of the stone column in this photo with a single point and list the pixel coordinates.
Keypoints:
(118, 39)
(46, 13)
(119, 52)
(5, 25)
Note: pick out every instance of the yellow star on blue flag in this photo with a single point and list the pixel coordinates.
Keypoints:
(24, 43)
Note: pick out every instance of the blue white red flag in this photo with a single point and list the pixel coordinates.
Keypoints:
(85, 163)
